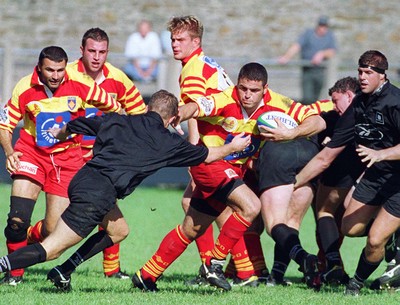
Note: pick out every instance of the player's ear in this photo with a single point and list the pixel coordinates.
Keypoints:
(146, 109)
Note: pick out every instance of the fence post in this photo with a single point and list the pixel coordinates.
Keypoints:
(7, 73)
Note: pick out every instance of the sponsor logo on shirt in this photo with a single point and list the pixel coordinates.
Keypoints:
(4, 115)
(45, 121)
(27, 167)
(368, 132)
(91, 113)
(247, 152)
(205, 105)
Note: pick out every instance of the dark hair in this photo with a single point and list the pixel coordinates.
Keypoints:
(344, 84)
(374, 59)
(164, 103)
(254, 71)
(96, 34)
(53, 53)
(186, 23)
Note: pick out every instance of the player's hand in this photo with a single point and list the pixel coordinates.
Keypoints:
(54, 131)
(176, 124)
(59, 133)
(240, 141)
(280, 133)
(12, 162)
(369, 155)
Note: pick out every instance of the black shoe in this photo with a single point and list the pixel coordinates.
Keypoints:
(215, 275)
(335, 276)
(60, 280)
(389, 279)
(10, 280)
(252, 281)
(273, 281)
(199, 280)
(142, 284)
(353, 287)
(119, 275)
(310, 270)
(390, 248)
(264, 275)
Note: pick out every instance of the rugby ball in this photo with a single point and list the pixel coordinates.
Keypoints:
(268, 119)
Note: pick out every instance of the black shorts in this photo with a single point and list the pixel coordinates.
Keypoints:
(280, 162)
(91, 196)
(344, 170)
(378, 189)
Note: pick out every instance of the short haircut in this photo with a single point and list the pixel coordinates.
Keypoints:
(344, 84)
(164, 103)
(190, 23)
(96, 34)
(54, 53)
(254, 71)
(374, 59)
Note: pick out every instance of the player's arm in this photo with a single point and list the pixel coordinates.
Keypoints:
(310, 126)
(373, 156)
(81, 125)
(12, 157)
(317, 165)
(238, 143)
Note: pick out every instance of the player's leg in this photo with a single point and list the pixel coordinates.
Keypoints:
(115, 229)
(197, 219)
(328, 201)
(52, 247)
(384, 225)
(24, 194)
(246, 206)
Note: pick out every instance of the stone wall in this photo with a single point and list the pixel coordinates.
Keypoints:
(235, 31)
(252, 28)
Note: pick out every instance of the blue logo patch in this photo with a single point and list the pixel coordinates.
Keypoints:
(247, 152)
(46, 120)
(91, 113)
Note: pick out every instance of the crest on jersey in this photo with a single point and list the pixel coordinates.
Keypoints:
(230, 124)
(71, 101)
(379, 118)
(45, 121)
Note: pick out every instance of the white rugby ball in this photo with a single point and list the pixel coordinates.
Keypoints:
(268, 119)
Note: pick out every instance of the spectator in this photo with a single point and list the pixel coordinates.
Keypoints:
(143, 50)
(316, 46)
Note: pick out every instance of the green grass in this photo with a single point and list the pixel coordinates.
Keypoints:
(151, 213)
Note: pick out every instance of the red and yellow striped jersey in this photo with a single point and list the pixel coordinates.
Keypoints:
(221, 117)
(201, 76)
(41, 109)
(323, 106)
(120, 87)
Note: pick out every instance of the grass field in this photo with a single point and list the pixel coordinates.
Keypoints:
(151, 213)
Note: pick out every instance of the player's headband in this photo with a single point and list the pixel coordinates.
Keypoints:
(378, 70)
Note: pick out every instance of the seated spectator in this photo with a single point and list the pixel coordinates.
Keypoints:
(143, 50)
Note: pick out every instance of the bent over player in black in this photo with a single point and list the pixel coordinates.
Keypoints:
(126, 151)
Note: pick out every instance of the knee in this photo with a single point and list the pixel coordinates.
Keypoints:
(252, 209)
(19, 218)
(375, 244)
(121, 234)
(16, 229)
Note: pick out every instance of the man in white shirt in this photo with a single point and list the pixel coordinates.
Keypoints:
(143, 50)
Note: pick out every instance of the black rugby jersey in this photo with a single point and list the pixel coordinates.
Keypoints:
(130, 148)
